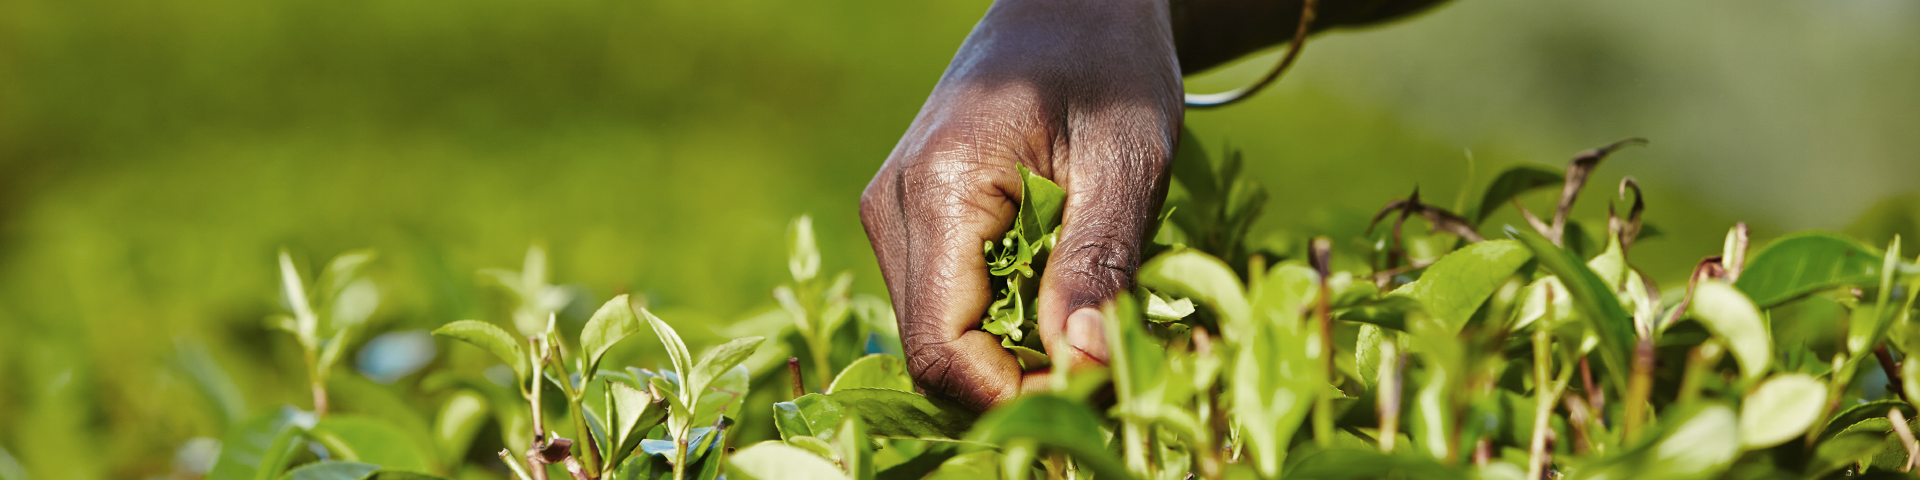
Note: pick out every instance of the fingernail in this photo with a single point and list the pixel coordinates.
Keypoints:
(1087, 331)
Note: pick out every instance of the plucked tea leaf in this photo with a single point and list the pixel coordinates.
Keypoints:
(1780, 409)
(874, 371)
(493, 339)
(772, 460)
(1041, 202)
(1052, 421)
(897, 414)
(1453, 288)
(1728, 313)
(1804, 262)
(331, 470)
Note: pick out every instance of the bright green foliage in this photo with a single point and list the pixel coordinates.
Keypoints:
(1512, 357)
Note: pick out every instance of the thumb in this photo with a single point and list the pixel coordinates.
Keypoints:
(1114, 192)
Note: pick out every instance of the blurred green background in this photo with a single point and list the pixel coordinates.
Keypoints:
(154, 155)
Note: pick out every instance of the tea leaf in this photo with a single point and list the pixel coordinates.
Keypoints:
(634, 413)
(1455, 287)
(1511, 183)
(1732, 317)
(852, 443)
(365, 439)
(1041, 202)
(1596, 303)
(1844, 450)
(1190, 273)
(613, 322)
(260, 448)
(897, 414)
(1052, 421)
(1805, 262)
(811, 415)
(1863, 412)
(331, 470)
(493, 339)
(803, 255)
(1780, 409)
(459, 419)
(874, 371)
(718, 360)
(1700, 444)
(676, 349)
(981, 465)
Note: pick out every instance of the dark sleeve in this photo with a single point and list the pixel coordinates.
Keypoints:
(1209, 33)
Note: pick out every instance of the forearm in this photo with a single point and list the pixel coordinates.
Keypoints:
(1210, 33)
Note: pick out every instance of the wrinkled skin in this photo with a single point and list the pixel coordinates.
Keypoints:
(1086, 93)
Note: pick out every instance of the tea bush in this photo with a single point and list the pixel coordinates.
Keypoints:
(1541, 353)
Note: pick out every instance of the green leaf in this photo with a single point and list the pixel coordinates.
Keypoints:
(635, 412)
(1700, 444)
(1780, 409)
(492, 339)
(1596, 303)
(331, 470)
(401, 475)
(192, 359)
(1865, 331)
(1863, 412)
(306, 324)
(852, 443)
(723, 396)
(1513, 182)
(718, 360)
(1388, 312)
(1358, 464)
(775, 460)
(1052, 421)
(1454, 287)
(365, 439)
(1040, 204)
(1192, 274)
(458, 420)
(981, 465)
(1728, 313)
(1806, 262)
(1844, 450)
(897, 414)
(874, 371)
(803, 254)
(676, 349)
(260, 448)
(612, 323)
(811, 415)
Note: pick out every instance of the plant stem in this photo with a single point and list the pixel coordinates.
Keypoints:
(1639, 388)
(1892, 370)
(1543, 395)
(793, 370)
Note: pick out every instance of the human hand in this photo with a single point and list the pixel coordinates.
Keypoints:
(1084, 92)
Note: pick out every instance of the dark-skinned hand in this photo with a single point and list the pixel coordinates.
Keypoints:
(1086, 93)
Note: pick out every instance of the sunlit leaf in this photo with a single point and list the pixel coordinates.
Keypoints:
(803, 255)
(1701, 444)
(718, 360)
(775, 460)
(1055, 422)
(1041, 201)
(1780, 409)
(1805, 262)
(1190, 273)
(1455, 287)
(1596, 303)
(676, 349)
(1728, 313)
(493, 339)
(897, 414)
(459, 419)
(811, 415)
(613, 322)
(1844, 450)
(981, 465)
(874, 371)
